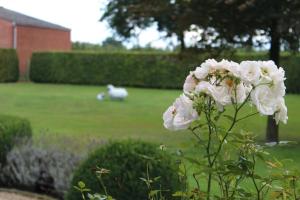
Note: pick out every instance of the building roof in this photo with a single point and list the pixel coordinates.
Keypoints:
(21, 19)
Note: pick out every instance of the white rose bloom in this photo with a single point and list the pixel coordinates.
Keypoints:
(264, 99)
(201, 72)
(204, 87)
(222, 95)
(208, 66)
(250, 71)
(168, 117)
(219, 93)
(230, 66)
(278, 89)
(180, 115)
(281, 114)
(241, 93)
(190, 83)
(267, 69)
(278, 75)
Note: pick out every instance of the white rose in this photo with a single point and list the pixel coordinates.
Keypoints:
(190, 83)
(278, 76)
(180, 115)
(250, 71)
(222, 95)
(281, 114)
(230, 66)
(264, 99)
(241, 93)
(204, 87)
(267, 69)
(278, 89)
(207, 67)
(168, 117)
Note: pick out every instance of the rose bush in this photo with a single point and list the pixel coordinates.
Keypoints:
(230, 157)
(260, 83)
(225, 161)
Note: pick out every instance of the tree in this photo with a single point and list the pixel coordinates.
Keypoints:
(224, 23)
(112, 43)
(171, 16)
(277, 20)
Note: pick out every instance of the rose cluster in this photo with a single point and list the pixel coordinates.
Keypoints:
(261, 83)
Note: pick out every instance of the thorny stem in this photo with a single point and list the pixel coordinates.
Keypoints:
(250, 115)
(197, 182)
(253, 180)
(103, 186)
(234, 121)
(208, 118)
(211, 161)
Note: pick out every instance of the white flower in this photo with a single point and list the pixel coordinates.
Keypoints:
(210, 65)
(222, 95)
(250, 71)
(281, 114)
(204, 87)
(278, 89)
(190, 83)
(180, 115)
(278, 76)
(241, 93)
(267, 69)
(264, 99)
(230, 66)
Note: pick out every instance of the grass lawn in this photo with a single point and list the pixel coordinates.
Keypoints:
(73, 111)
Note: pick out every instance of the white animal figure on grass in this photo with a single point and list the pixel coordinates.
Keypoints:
(101, 96)
(117, 93)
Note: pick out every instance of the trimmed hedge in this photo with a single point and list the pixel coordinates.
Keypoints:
(127, 162)
(9, 65)
(151, 70)
(127, 69)
(11, 130)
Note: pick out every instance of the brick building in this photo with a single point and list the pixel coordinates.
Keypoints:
(27, 34)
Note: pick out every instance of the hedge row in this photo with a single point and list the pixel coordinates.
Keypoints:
(132, 69)
(9, 65)
(12, 129)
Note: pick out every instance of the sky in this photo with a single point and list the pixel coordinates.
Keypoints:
(82, 17)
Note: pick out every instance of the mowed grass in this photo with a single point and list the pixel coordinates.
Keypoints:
(73, 111)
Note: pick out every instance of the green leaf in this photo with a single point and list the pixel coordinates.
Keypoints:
(153, 192)
(229, 117)
(81, 184)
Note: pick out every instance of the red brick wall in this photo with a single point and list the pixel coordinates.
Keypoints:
(6, 34)
(32, 39)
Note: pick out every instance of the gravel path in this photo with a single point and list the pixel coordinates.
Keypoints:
(18, 195)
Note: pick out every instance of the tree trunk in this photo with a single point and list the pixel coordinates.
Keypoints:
(181, 39)
(272, 133)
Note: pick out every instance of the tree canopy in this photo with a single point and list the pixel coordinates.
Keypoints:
(270, 23)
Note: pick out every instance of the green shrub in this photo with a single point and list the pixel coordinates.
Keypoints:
(127, 69)
(11, 130)
(9, 65)
(151, 70)
(127, 162)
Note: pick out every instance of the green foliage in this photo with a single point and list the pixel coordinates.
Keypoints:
(11, 130)
(292, 70)
(9, 65)
(151, 70)
(127, 163)
(127, 69)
